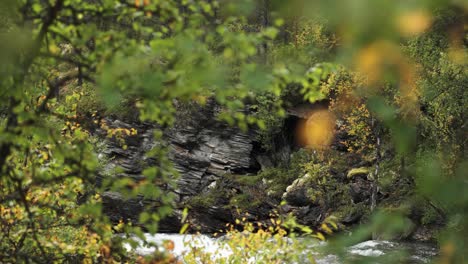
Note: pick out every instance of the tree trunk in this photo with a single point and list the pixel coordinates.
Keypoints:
(375, 178)
(265, 23)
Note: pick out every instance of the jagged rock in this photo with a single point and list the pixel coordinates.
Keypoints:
(360, 190)
(210, 220)
(424, 233)
(309, 215)
(296, 193)
(204, 154)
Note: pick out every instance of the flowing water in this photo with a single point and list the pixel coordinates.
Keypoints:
(418, 252)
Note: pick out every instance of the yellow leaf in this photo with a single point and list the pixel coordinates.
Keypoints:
(320, 236)
(325, 228)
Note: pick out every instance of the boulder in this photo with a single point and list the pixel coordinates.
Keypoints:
(360, 190)
(296, 193)
(309, 215)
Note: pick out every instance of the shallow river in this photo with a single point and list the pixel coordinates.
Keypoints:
(419, 252)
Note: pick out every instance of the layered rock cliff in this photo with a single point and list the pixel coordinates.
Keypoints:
(202, 149)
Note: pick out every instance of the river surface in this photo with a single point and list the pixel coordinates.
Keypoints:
(359, 253)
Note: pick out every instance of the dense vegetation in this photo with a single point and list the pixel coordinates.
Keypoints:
(392, 76)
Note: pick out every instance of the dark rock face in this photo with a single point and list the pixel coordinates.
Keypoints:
(211, 219)
(309, 215)
(202, 150)
(360, 190)
(132, 159)
(116, 207)
(203, 154)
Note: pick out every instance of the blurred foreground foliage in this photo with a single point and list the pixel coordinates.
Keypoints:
(394, 72)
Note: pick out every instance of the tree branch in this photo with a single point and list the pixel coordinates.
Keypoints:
(19, 77)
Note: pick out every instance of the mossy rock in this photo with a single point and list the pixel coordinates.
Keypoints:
(363, 171)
